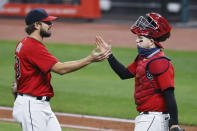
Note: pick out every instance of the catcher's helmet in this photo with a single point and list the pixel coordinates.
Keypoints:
(153, 25)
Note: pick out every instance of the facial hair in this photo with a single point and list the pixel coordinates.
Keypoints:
(44, 33)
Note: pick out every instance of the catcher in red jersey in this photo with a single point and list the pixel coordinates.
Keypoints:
(153, 73)
(33, 64)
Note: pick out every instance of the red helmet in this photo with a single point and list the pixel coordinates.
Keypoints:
(153, 25)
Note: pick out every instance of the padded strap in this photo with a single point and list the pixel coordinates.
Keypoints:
(158, 66)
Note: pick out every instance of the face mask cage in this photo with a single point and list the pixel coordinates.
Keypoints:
(144, 23)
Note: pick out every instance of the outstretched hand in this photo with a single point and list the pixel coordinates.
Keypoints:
(101, 44)
(102, 51)
(99, 56)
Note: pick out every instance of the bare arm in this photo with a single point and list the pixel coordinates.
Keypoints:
(66, 67)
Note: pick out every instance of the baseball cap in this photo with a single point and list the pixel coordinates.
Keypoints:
(38, 14)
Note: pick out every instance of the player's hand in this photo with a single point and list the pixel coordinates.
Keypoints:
(98, 55)
(14, 89)
(176, 128)
(102, 45)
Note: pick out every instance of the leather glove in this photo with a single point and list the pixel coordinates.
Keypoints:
(176, 129)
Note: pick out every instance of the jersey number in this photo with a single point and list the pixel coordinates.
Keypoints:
(18, 71)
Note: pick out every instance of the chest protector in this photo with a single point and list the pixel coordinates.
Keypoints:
(146, 72)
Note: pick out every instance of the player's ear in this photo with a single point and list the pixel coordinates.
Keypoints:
(37, 25)
(152, 43)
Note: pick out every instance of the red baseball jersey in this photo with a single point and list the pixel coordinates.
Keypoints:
(145, 97)
(32, 67)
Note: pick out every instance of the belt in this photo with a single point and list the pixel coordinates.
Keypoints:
(44, 98)
(152, 112)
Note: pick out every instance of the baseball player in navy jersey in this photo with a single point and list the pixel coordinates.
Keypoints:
(153, 73)
(33, 64)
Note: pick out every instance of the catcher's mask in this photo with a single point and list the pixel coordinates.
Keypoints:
(153, 26)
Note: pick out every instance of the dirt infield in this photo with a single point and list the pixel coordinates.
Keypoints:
(88, 123)
(84, 33)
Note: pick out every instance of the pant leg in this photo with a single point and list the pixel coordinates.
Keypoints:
(143, 122)
(21, 113)
(53, 124)
(165, 122)
(17, 110)
(34, 115)
(151, 122)
(160, 123)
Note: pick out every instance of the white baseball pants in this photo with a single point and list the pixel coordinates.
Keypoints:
(34, 115)
(153, 121)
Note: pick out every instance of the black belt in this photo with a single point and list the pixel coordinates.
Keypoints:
(148, 112)
(47, 98)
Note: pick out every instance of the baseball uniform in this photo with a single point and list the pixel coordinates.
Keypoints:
(153, 73)
(32, 67)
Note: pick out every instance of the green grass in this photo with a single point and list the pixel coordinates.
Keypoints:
(16, 127)
(9, 127)
(96, 90)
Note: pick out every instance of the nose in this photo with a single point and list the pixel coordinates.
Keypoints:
(137, 40)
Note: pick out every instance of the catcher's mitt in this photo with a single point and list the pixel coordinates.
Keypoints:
(176, 129)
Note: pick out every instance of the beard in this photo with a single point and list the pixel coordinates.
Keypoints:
(44, 33)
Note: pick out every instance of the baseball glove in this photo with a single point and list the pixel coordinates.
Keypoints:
(176, 129)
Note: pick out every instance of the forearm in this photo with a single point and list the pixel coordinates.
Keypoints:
(66, 67)
(172, 106)
(120, 69)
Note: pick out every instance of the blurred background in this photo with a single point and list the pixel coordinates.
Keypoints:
(105, 10)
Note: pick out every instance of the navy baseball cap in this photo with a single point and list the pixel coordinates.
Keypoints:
(38, 14)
